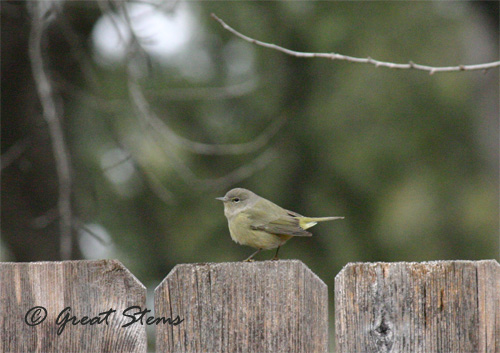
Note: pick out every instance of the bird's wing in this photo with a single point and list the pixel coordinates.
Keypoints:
(269, 217)
(287, 224)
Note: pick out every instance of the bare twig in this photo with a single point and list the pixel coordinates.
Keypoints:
(76, 48)
(13, 153)
(152, 181)
(377, 63)
(43, 221)
(79, 225)
(160, 128)
(166, 136)
(197, 147)
(41, 19)
(157, 124)
(180, 167)
(245, 171)
(156, 187)
(126, 158)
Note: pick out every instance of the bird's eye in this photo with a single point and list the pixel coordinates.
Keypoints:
(236, 199)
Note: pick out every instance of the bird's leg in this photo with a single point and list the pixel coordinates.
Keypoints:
(251, 256)
(275, 258)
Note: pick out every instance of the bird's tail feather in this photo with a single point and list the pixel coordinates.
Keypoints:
(308, 222)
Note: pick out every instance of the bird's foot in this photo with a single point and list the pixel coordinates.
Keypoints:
(250, 258)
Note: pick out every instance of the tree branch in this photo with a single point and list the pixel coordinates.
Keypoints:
(165, 135)
(42, 15)
(14, 152)
(368, 60)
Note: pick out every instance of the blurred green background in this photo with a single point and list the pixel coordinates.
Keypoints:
(410, 159)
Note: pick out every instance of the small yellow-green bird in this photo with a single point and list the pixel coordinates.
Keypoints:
(261, 224)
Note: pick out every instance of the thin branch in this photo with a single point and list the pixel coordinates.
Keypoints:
(14, 152)
(160, 128)
(156, 187)
(186, 173)
(167, 136)
(46, 219)
(79, 225)
(157, 124)
(245, 171)
(77, 49)
(377, 63)
(41, 19)
(197, 147)
(152, 181)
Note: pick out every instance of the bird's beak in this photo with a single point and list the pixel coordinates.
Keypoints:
(223, 199)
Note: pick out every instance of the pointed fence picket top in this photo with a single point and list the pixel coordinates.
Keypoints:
(31, 291)
(428, 307)
(269, 306)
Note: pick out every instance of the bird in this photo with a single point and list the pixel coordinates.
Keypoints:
(259, 223)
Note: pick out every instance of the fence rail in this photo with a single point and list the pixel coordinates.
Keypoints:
(99, 306)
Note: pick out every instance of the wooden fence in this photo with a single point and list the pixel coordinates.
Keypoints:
(99, 306)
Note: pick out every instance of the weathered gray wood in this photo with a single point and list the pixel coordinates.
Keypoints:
(270, 306)
(88, 287)
(442, 306)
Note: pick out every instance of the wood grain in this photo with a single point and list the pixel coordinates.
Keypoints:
(269, 306)
(440, 306)
(88, 288)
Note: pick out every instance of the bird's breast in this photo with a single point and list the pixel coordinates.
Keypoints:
(240, 228)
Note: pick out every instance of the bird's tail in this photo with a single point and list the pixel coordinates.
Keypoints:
(308, 222)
